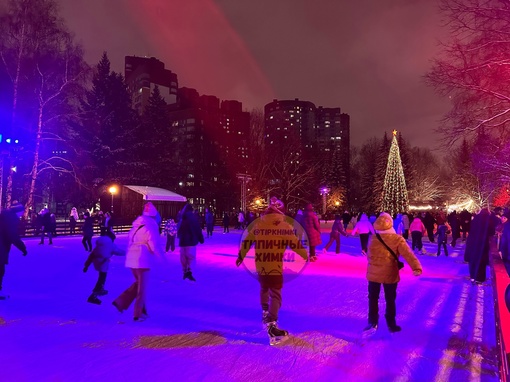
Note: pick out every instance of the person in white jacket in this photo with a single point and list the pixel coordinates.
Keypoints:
(364, 228)
(143, 246)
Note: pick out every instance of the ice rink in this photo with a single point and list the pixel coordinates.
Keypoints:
(211, 330)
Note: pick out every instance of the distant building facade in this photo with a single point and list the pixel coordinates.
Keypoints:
(211, 148)
(317, 131)
(142, 74)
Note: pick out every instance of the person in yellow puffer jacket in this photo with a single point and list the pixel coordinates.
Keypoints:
(383, 269)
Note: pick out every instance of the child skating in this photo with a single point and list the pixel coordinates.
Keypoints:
(100, 257)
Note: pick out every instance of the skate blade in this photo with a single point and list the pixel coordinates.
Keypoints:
(369, 333)
(278, 340)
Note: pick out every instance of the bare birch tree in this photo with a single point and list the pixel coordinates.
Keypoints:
(39, 54)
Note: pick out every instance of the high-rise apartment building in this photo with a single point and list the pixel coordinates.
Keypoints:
(142, 74)
(318, 131)
(211, 147)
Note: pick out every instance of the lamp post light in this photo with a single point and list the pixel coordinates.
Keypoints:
(324, 191)
(112, 190)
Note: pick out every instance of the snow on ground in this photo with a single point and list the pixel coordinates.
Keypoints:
(211, 330)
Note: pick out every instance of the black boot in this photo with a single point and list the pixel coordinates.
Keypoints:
(101, 292)
(392, 325)
(93, 299)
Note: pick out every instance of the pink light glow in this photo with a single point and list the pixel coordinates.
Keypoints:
(196, 41)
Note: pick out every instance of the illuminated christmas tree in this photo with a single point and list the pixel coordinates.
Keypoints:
(394, 196)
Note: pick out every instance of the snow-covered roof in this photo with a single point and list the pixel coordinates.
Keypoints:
(157, 194)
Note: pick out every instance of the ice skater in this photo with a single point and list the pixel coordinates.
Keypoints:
(364, 228)
(269, 265)
(190, 234)
(442, 238)
(9, 235)
(337, 229)
(100, 257)
(383, 269)
(88, 231)
(143, 247)
(170, 232)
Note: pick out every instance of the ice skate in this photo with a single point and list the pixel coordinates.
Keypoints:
(369, 330)
(101, 292)
(276, 335)
(94, 300)
(189, 276)
(394, 328)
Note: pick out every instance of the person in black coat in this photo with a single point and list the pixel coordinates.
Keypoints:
(190, 234)
(47, 226)
(504, 243)
(88, 231)
(226, 222)
(429, 222)
(453, 220)
(478, 245)
(465, 222)
(9, 235)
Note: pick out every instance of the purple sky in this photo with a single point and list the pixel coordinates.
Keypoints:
(365, 56)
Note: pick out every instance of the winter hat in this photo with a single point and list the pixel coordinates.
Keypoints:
(149, 210)
(383, 222)
(275, 206)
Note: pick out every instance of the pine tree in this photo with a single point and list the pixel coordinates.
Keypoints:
(394, 196)
(110, 129)
(379, 176)
(154, 146)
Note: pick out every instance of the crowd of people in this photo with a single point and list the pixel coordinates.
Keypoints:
(384, 239)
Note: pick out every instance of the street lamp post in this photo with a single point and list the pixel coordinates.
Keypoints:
(244, 178)
(112, 190)
(324, 191)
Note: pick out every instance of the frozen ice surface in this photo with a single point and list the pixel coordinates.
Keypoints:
(211, 330)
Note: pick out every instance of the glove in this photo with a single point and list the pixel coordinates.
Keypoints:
(417, 272)
(25, 252)
(85, 269)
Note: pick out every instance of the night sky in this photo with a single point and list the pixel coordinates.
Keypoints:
(366, 56)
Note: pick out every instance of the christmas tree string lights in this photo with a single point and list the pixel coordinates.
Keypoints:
(394, 198)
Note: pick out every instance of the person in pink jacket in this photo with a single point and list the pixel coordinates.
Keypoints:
(312, 229)
(364, 228)
(417, 229)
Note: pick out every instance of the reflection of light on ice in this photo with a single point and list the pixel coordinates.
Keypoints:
(475, 366)
(437, 308)
(447, 360)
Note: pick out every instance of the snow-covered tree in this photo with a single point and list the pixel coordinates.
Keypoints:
(472, 70)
